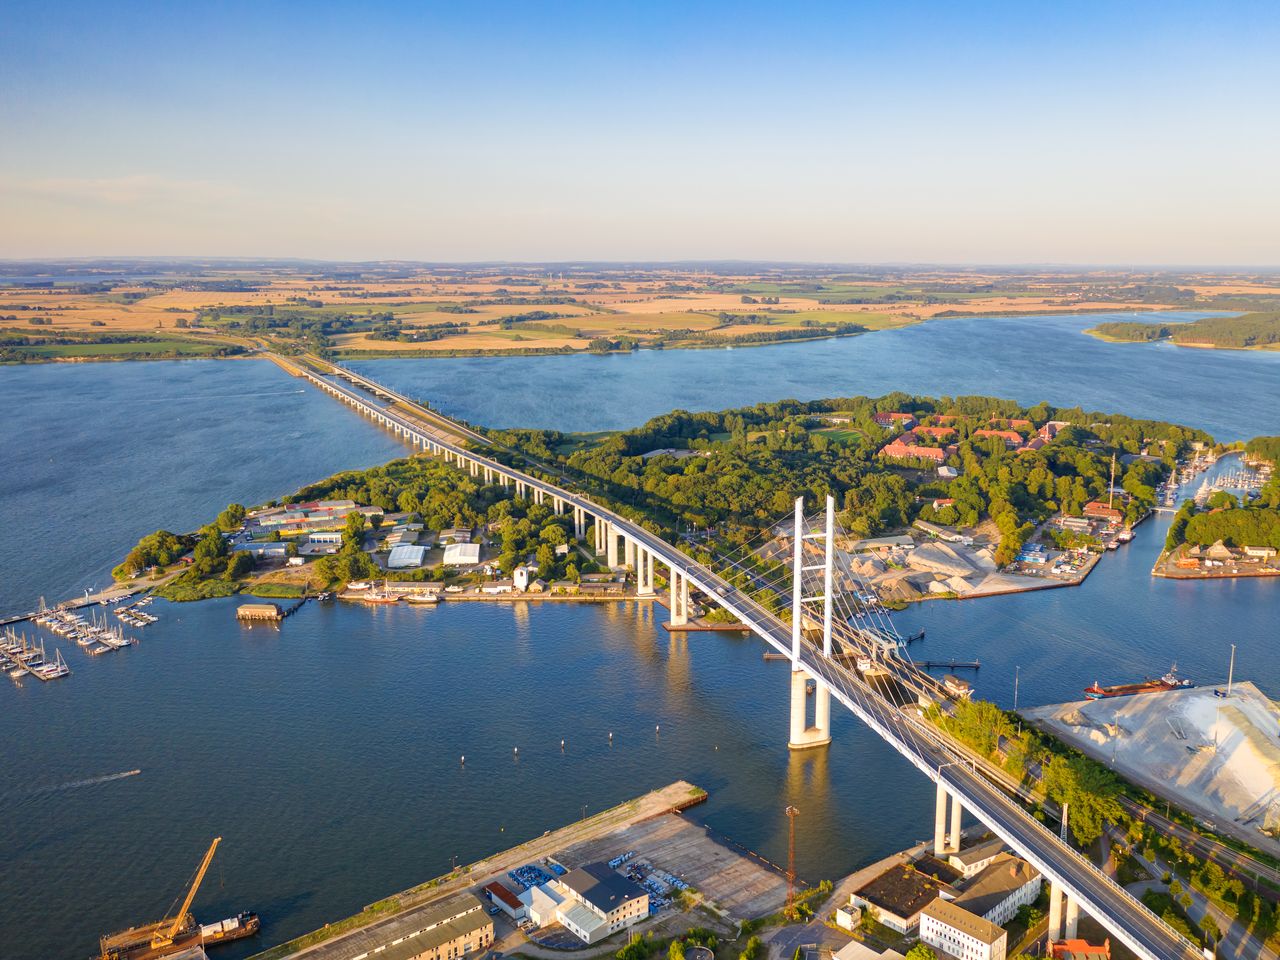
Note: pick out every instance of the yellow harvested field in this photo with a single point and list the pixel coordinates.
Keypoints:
(496, 340)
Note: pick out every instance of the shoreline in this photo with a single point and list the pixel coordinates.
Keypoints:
(342, 355)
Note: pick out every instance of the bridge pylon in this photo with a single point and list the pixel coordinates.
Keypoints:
(803, 736)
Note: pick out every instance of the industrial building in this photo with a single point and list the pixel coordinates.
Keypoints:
(461, 554)
(454, 928)
(406, 556)
(600, 901)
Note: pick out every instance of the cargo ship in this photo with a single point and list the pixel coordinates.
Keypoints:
(179, 931)
(1170, 681)
(155, 940)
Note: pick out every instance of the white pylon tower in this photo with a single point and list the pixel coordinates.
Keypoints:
(803, 735)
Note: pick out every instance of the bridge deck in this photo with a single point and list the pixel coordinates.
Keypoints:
(928, 749)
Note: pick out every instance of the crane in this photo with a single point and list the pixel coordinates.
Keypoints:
(168, 930)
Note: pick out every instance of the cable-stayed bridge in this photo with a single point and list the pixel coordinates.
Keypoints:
(827, 628)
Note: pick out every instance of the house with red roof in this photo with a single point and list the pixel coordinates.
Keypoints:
(1010, 437)
(1100, 511)
(938, 433)
(890, 418)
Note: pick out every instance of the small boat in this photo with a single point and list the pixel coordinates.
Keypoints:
(425, 599)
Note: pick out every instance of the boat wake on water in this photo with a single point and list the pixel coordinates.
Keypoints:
(70, 785)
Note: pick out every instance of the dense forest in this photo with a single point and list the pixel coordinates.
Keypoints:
(1238, 333)
(743, 468)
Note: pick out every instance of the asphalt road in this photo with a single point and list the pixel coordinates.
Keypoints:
(1122, 914)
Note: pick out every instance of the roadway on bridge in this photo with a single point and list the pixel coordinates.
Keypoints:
(923, 745)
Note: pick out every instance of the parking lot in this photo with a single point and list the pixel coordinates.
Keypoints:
(734, 880)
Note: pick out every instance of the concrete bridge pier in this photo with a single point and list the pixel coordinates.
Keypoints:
(610, 545)
(644, 572)
(1055, 912)
(679, 587)
(804, 736)
(944, 841)
(579, 523)
(1071, 918)
(629, 552)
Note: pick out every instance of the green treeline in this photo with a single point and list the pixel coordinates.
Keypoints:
(1249, 330)
(751, 463)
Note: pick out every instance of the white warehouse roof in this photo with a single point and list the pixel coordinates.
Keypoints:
(406, 555)
(461, 554)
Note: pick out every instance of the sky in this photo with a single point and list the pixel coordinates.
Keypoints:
(1076, 133)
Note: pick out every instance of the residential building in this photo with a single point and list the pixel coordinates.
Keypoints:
(1260, 553)
(455, 535)
(948, 473)
(1000, 888)
(938, 433)
(891, 419)
(904, 447)
(1052, 428)
(959, 933)
(1100, 511)
(1011, 438)
(855, 950)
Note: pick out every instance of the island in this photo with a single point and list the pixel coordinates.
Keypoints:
(1250, 331)
(941, 498)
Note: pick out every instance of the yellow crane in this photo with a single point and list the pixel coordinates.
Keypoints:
(168, 930)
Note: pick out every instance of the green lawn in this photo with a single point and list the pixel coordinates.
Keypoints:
(186, 348)
(839, 434)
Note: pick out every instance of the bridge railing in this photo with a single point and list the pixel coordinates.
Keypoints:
(925, 747)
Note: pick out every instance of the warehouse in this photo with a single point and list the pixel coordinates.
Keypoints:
(406, 555)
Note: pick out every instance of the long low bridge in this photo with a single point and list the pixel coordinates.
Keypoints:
(962, 778)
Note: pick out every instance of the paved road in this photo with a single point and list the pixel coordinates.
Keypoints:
(919, 742)
(1238, 944)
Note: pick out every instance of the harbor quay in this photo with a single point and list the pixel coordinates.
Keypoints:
(637, 866)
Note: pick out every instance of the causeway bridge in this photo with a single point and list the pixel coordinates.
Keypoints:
(964, 781)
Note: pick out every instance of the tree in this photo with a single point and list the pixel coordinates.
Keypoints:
(921, 952)
(1089, 789)
(676, 952)
(230, 518)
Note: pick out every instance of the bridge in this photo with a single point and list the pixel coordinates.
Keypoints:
(965, 781)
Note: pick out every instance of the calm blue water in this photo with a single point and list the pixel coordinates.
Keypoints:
(1232, 394)
(326, 753)
(98, 454)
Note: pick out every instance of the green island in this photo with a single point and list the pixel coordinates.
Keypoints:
(717, 480)
(1250, 331)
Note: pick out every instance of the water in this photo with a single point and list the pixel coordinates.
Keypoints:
(99, 454)
(1232, 394)
(326, 752)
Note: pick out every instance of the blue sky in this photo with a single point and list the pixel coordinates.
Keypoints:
(920, 132)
